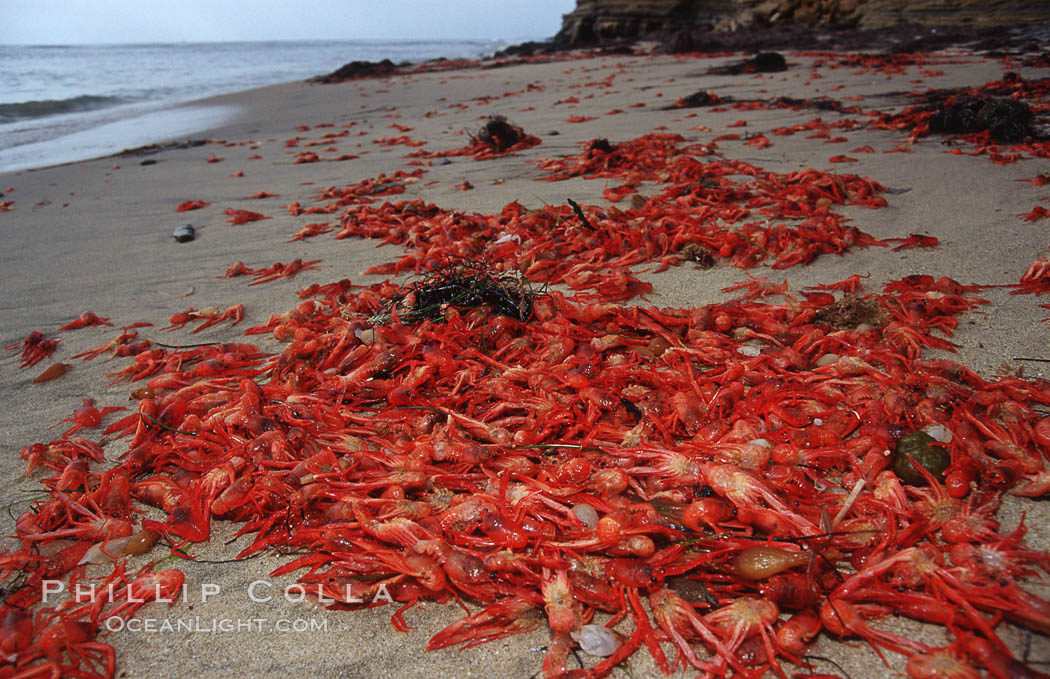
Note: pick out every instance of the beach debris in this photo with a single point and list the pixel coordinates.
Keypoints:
(851, 312)
(596, 640)
(696, 100)
(184, 233)
(919, 449)
(600, 145)
(1005, 120)
(358, 70)
(819, 103)
(763, 62)
(694, 252)
(150, 149)
(995, 113)
(51, 372)
(459, 284)
(499, 136)
(580, 214)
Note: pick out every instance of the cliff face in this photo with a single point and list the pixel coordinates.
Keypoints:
(596, 21)
(884, 13)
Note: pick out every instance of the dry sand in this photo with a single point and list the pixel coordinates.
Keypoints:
(97, 235)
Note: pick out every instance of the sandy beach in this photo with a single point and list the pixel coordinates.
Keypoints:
(97, 235)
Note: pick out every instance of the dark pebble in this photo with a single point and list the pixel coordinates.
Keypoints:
(184, 233)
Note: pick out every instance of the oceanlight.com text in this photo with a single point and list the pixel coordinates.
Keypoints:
(199, 625)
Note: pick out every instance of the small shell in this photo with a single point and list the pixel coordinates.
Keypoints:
(939, 432)
(586, 514)
(506, 238)
(365, 335)
(596, 640)
(184, 233)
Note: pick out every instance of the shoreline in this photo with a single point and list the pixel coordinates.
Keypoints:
(178, 120)
(162, 109)
(115, 255)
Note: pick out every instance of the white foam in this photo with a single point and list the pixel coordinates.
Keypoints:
(113, 137)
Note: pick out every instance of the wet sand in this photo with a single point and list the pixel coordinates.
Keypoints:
(98, 235)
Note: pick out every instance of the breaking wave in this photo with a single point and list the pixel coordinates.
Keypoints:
(22, 110)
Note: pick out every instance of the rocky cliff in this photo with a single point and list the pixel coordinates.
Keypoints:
(884, 13)
(598, 21)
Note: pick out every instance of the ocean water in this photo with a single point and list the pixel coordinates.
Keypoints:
(61, 103)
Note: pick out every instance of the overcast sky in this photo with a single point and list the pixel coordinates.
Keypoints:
(51, 22)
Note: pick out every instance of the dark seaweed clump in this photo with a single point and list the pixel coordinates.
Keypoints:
(150, 149)
(356, 70)
(694, 252)
(698, 99)
(763, 62)
(850, 312)
(460, 284)
(499, 134)
(820, 103)
(1006, 120)
(600, 145)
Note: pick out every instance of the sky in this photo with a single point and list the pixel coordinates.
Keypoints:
(64, 22)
